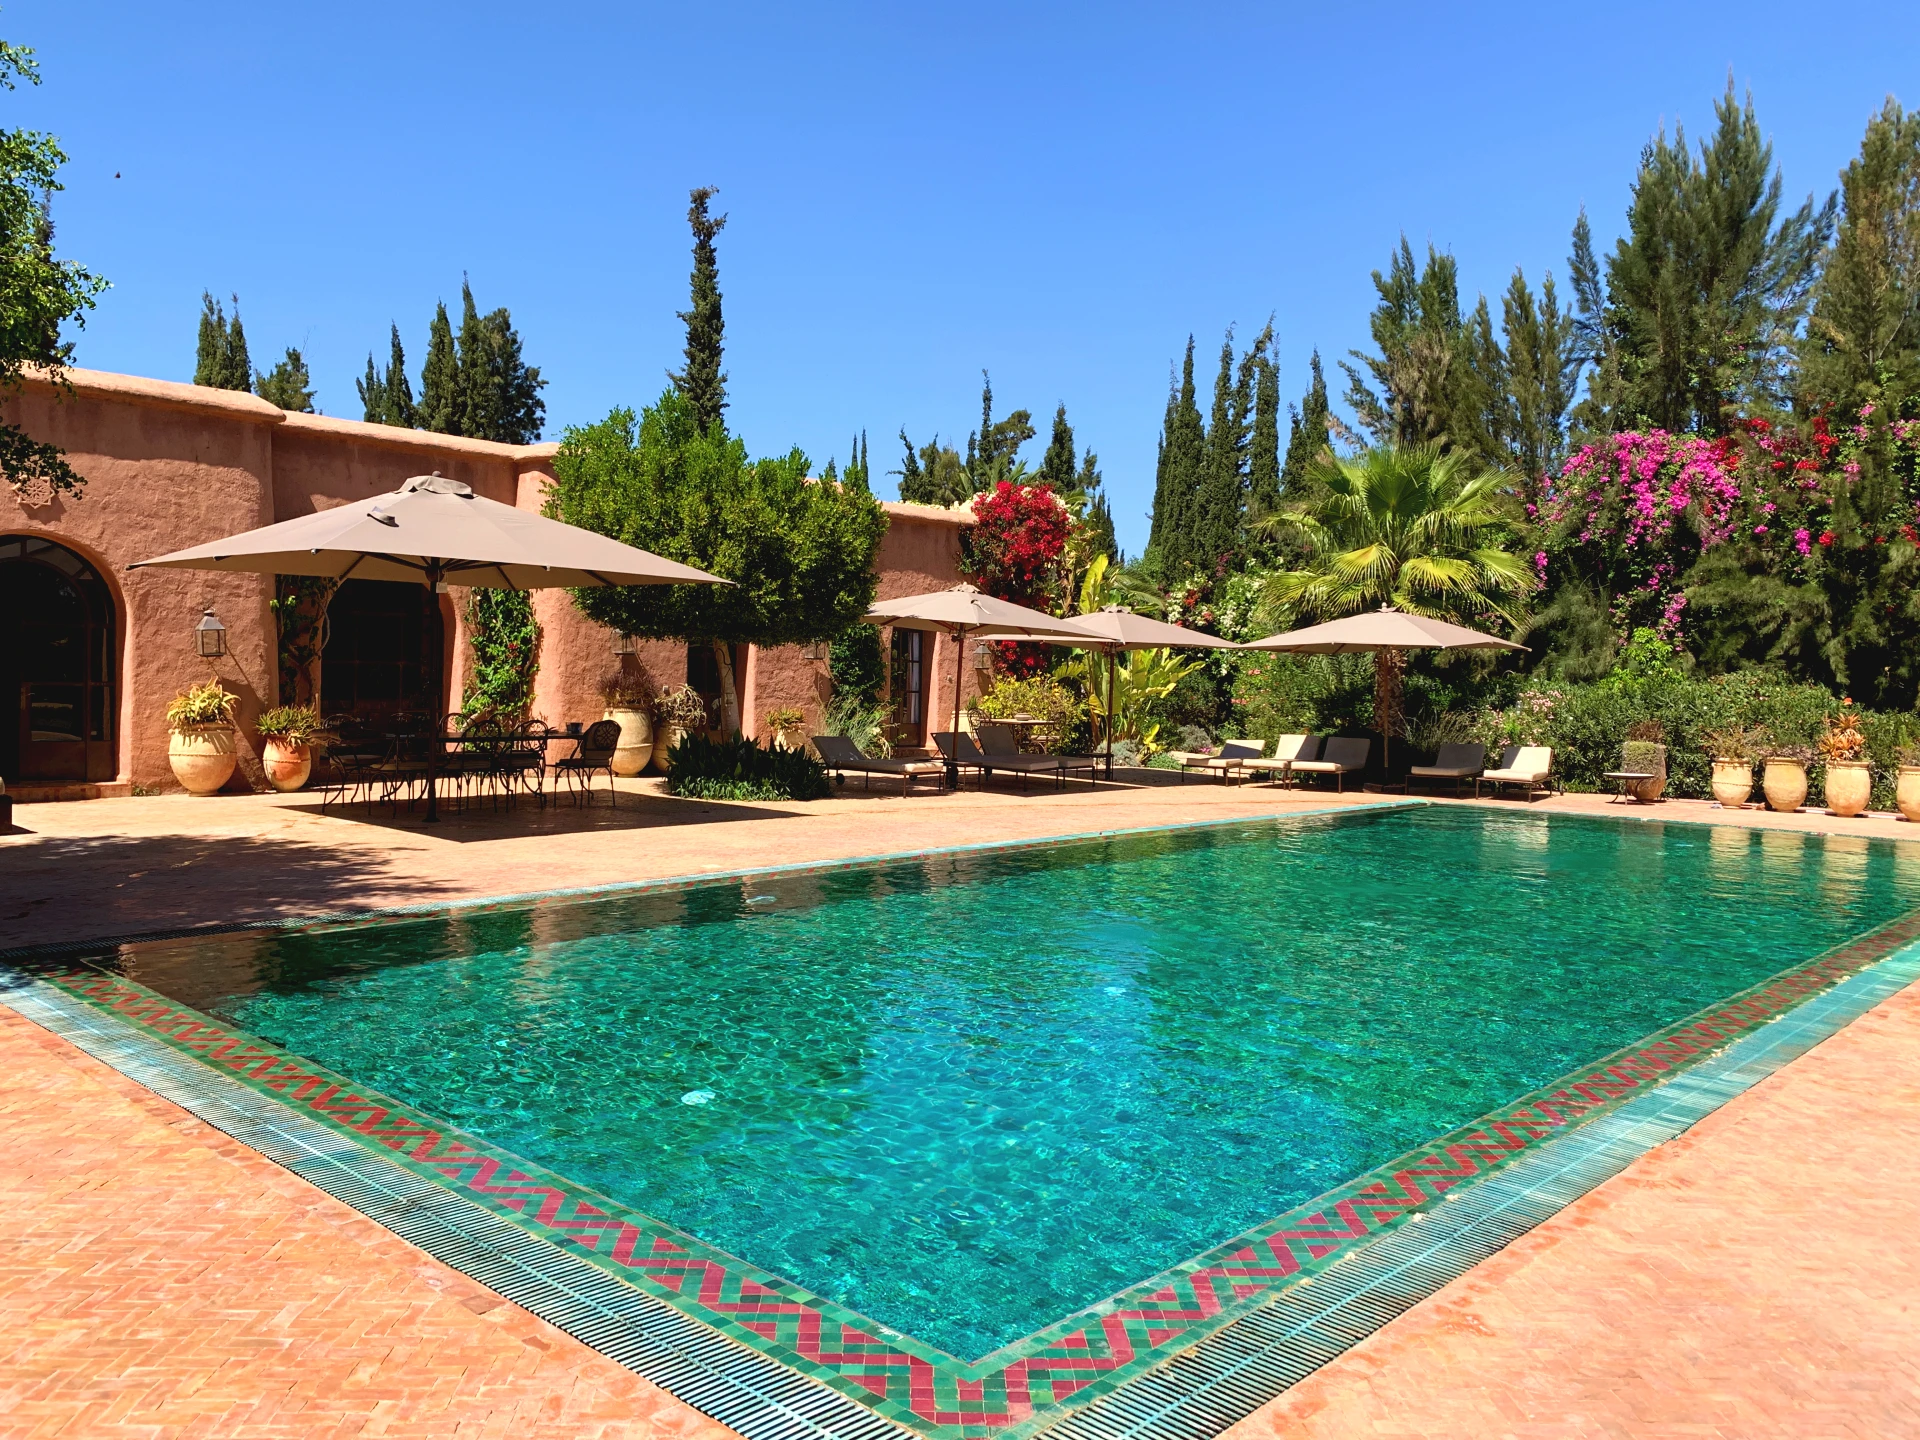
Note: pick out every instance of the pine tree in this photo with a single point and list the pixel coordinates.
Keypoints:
(398, 392)
(1863, 340)
(934, 475)
(1542, 366)
(373, 395)
(1705, 292)
(288, 384)
(1099, 516)
(473, 405)
(703, 382)
(221, 360)
(1424, 370)
(440, 378)
(498, 392)
(1307, 438)
(993, 450)
(858, 475)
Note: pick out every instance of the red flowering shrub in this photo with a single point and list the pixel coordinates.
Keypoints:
(1013, 551)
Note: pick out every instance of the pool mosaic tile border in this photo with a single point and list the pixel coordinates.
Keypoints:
(1062, 1371)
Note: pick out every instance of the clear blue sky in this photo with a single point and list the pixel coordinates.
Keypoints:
(1058, 194)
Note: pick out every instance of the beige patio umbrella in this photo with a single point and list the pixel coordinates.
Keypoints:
(435, 531)
(961, 611)
(1115, 628)
(1384, 633)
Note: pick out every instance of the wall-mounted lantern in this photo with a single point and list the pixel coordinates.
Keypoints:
(814, 650)
(210, 636)
(983, 652)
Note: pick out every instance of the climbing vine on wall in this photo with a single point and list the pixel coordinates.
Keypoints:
(299, 608)
(506, 655)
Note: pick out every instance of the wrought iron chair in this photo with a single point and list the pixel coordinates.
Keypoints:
(593, 753)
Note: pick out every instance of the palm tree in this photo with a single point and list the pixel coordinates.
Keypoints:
(1410, 527)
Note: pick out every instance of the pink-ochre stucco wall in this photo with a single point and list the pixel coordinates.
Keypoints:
(169, 465)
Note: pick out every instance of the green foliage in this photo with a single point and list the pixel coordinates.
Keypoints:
(441, 404)
(290, 725)
(858, 663)
(1307, 437)
(1706, 290)
(505, 641)
(1142, 680)
(863, 722)
(1863, 339)
(703, 383)
(38, 291)
(801, 554)
(703, 769)
(498, 395)
(386, 397)
(288, 384)
(1177, 474)
(1263, 445)
(221, 359)
(299, 608)
(1411, 527)
(682, 707)
(1040, 696)
(208, 703)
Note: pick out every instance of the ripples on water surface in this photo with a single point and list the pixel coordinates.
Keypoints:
(970, 1095)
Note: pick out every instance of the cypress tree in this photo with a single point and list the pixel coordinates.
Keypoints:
(1177, 482)
(1263, 449)
(857, 474)
(398, 392)
(703, 382)
(1099, 517)
(1056, 466)
(1307, 439)
(221, 359)
(288, 384)
(1214, 531)
(474, 406)
(1543, 361)
(992, 450)
(373, 395)
(440, 378)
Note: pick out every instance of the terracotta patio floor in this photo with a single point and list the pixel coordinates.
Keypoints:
(1758, 1276)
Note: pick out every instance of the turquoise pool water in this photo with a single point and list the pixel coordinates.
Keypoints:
(968, 1095)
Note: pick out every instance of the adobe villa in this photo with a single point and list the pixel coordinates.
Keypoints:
(91, 652)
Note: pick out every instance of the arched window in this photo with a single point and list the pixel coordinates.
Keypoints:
(57, 663)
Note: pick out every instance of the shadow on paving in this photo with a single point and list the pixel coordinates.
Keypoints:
(480, 820)
(71, 889)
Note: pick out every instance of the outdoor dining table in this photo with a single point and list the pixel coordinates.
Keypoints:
(439, 748)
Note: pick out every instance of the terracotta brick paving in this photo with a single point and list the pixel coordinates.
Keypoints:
(1759, 1276)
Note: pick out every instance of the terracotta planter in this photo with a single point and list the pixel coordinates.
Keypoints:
(203, 757)
(287, 766)
(1732, 783)
(1785, 784)
(635, 749)
(789, 740)
(1652, 759)
(1849, 787)
(664, 739)
(1906, 792)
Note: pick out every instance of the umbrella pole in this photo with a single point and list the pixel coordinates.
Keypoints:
(1110, 699)
(959, 659)
(436, 747)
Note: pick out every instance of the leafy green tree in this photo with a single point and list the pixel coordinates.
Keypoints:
(858, 664)
(221, 360)
(1415, 527)
(1177, 476)
(703, 382)
(386, 396)
(1863, 339)
(801, 553)
(440, 399)
(288, 384)
(38, 292)
(933, 475)
(1307, 435)
(1706, 291)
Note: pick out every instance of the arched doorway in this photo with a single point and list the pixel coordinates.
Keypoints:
(57, 664)
(382, 657)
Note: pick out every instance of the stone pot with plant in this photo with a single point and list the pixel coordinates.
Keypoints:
(201, 747)
(1733, 751)
(287, 735)
(1906, 789)
(1645, 753)
(676, 712)
(629, 702)
(1849, 775)
(1784, 780)
(787, 728)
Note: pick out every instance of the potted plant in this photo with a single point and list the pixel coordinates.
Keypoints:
(1645, 753)
(1906, 790)
(1849, 776)
(787, 727)
(1784, 781)
(676, 712)
(200, 747)
(1733, 751)
(287, 733)
(629, 699)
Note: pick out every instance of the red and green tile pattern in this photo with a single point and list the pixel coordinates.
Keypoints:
(1022, 1386)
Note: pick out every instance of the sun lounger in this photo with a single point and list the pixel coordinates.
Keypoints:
(1231, 761)
(1286, 750)
(1340, 758)
(842, 757)
(1459, 763)
(1529, 766)
(1002, 751)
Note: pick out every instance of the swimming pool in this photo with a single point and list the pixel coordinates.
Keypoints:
(955, 1102)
